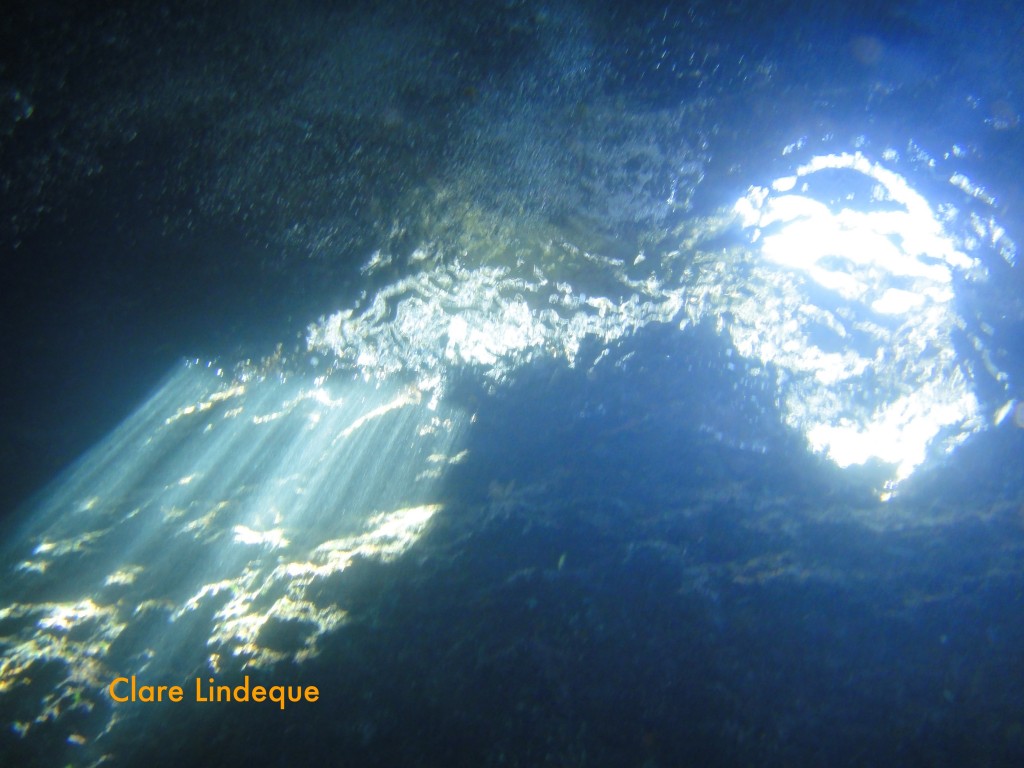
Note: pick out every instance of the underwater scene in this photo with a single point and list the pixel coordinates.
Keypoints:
(512, 383)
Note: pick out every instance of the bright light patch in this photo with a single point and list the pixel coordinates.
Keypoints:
(853, 297)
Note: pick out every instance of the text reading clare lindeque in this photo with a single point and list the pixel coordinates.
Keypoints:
(125, 689)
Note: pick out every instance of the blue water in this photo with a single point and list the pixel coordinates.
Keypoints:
(632, 554)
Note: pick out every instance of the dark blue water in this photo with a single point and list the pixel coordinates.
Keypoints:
(639, 563)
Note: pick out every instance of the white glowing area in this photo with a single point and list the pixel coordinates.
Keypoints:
(857, 304)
